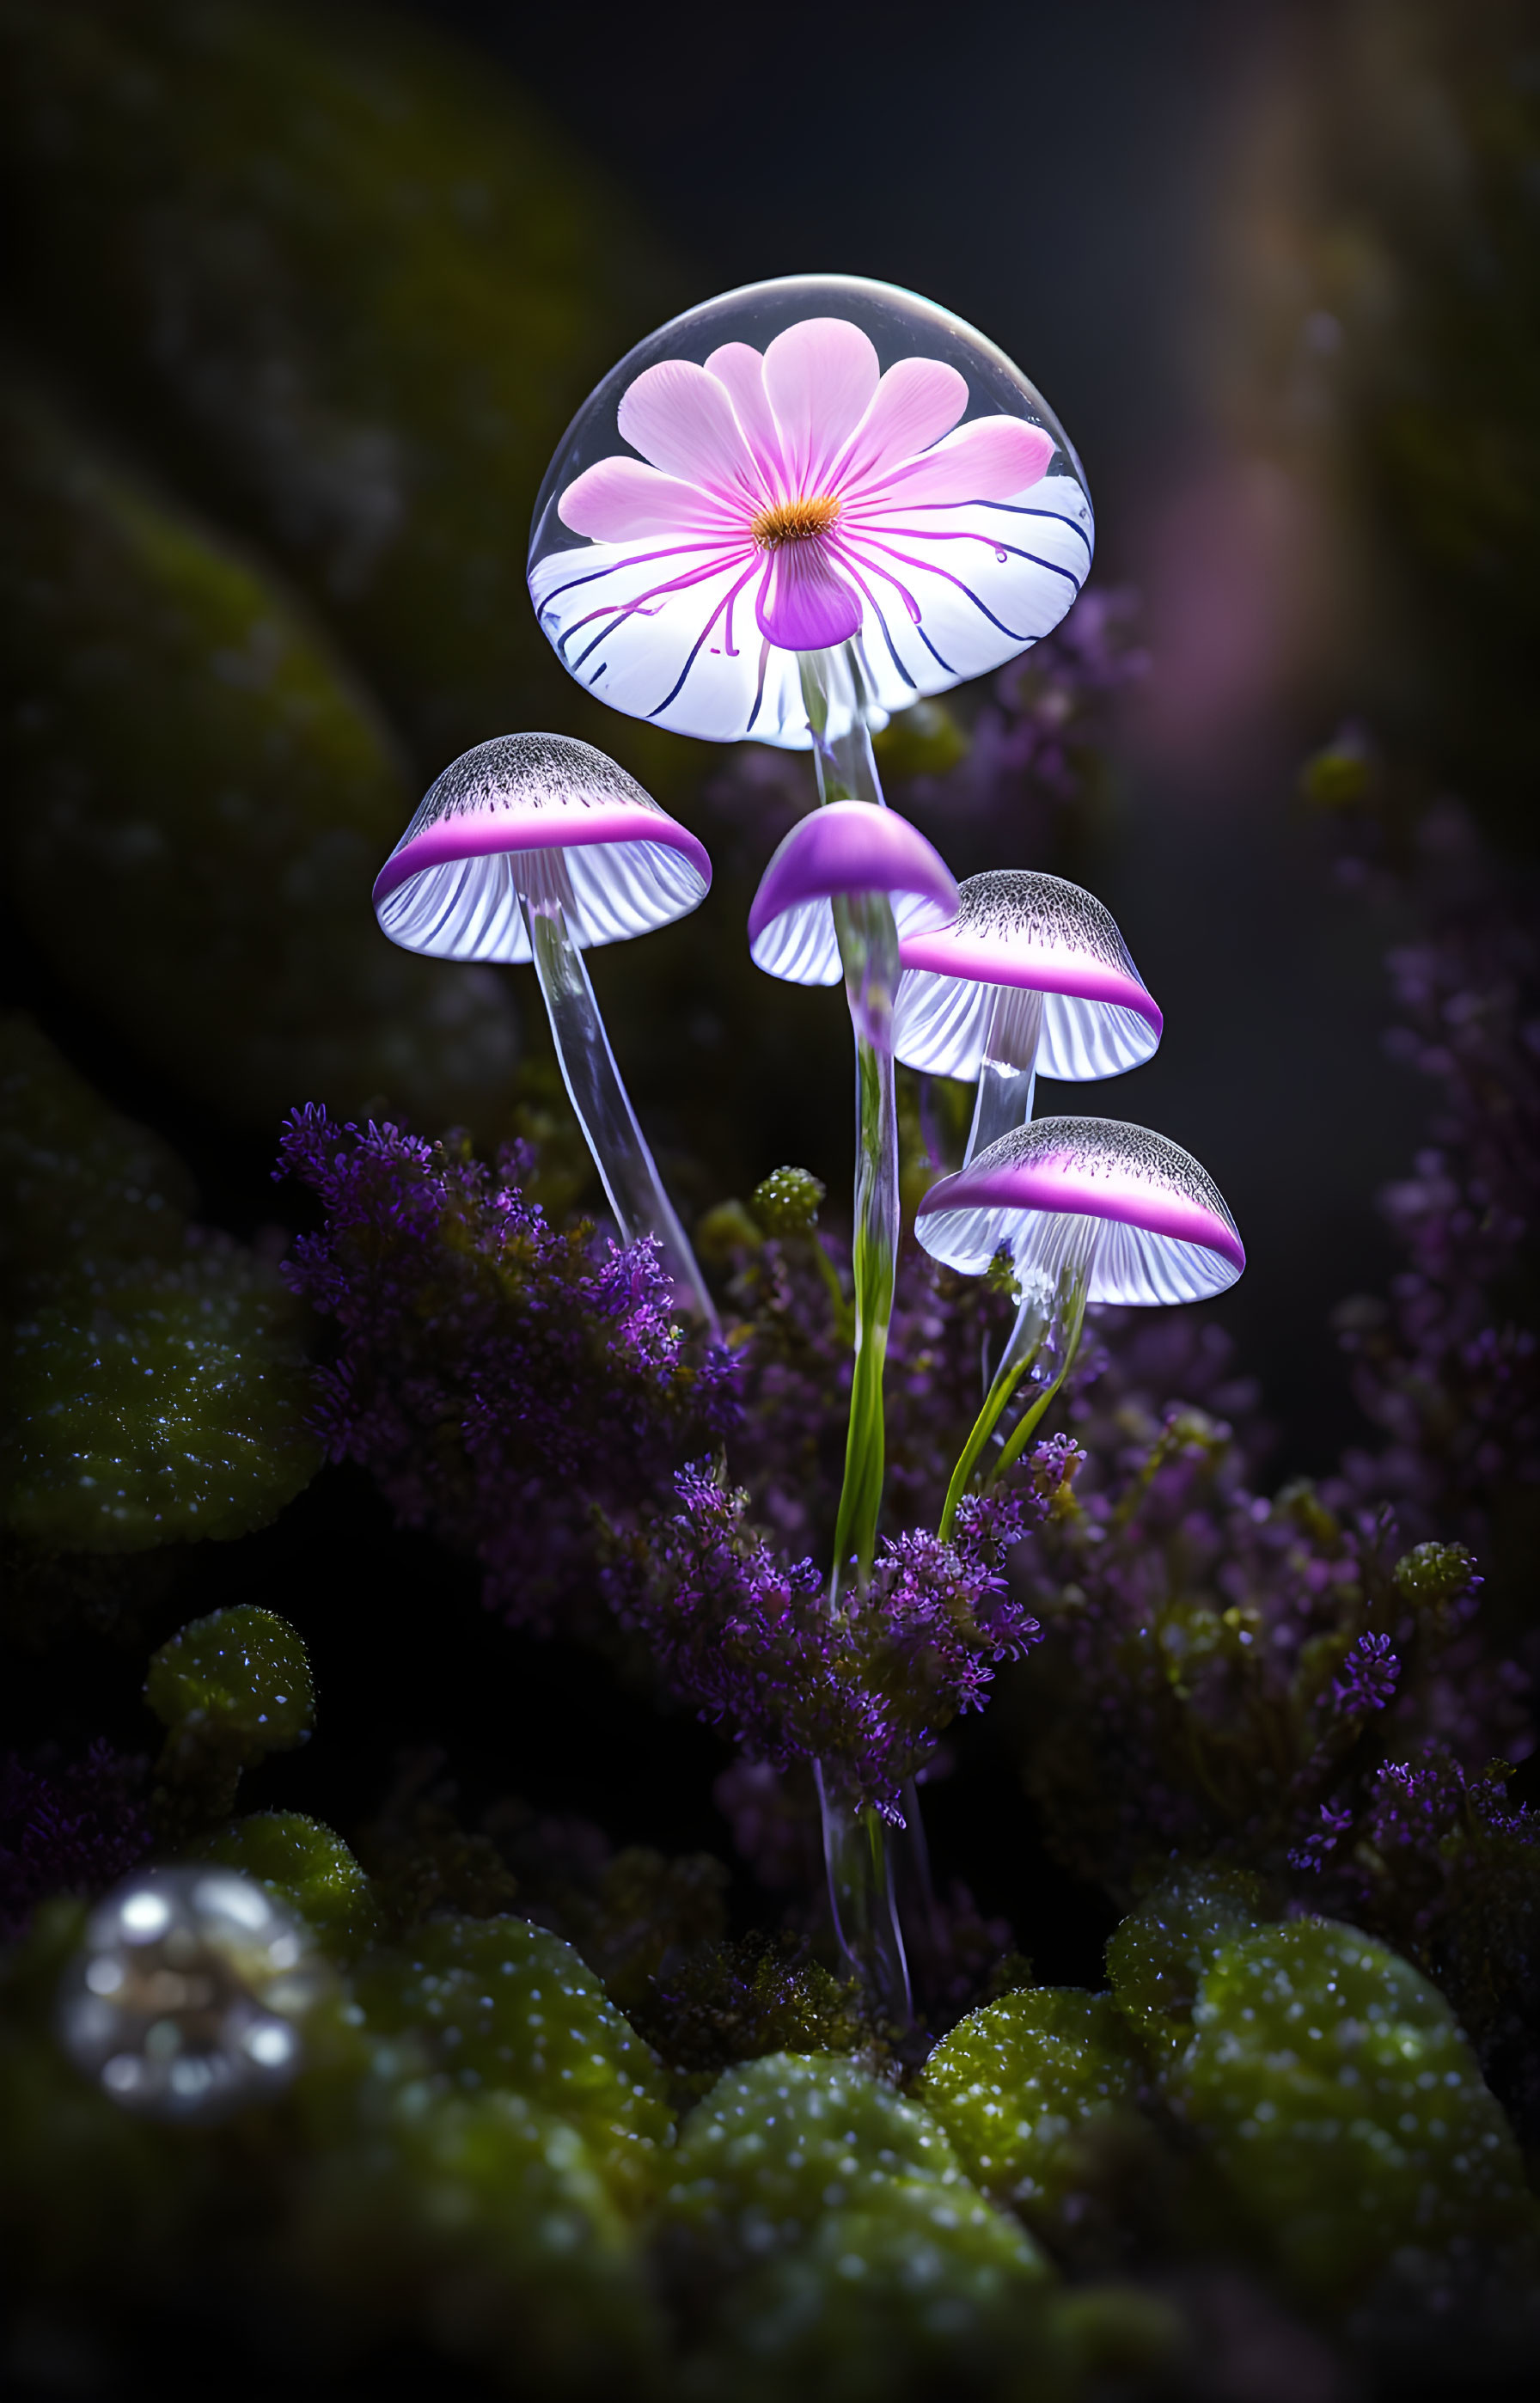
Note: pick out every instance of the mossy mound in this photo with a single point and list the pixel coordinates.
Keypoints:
(1347, 2116)
(81, 1183)
(155, 1405)
(830, 2244)
(1027, 2088)
(199, 800)
(351, 286)
(502, 2004)
(305, 1865)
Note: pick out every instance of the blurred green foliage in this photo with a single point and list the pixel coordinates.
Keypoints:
(154, 1389)
(201, 796)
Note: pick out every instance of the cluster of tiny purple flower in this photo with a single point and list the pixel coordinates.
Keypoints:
(500, 1378)
(868, 1685)
(67, 1826)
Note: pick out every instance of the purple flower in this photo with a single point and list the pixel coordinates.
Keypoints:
(1369, 1677)
(499, 1376)
(747, 1637)
(67, 1827)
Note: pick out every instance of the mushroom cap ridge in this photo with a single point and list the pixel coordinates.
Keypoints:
(448, 888)
(1021, 928)
(1168, 1235)
(843, 847)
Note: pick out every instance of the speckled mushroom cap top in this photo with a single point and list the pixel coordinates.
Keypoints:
(1163, 1232)
(1018, 929)
(451, 886)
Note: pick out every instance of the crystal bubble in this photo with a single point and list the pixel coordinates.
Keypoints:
(817, 462)
(186, 1998)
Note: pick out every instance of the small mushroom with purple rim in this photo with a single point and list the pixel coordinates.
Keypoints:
(1085, 1210)
(831, 902)
(538, 847)
(843, 849)
(1032, 975)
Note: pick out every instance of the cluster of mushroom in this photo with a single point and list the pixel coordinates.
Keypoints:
(786, 514)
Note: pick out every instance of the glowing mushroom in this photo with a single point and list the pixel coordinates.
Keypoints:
(187, 1997)
(832, 901)
(811, 467)
(538, 847)
(1085, 1210)
(1031, 975)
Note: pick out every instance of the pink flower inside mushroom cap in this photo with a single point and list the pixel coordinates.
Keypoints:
(792, 500)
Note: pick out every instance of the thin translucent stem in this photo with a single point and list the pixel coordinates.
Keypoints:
(627, 1170)
(1007, 1072)
(856, 1844)
(1043, 1344)
(858, 1861)
(1003, 1103)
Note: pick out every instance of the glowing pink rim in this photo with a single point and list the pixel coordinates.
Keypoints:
(850, 847)
(480, 834)
(1054, 1184)
(1080, 979)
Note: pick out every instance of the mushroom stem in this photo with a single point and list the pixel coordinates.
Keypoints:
(627, 1170)
(857, 1860)
(1009, 1070)
(857, 1848)
(835, 695)
(1043, 1344)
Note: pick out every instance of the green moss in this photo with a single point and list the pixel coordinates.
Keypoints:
(1157, 1957)
(827, 2233)
(243, 1670)
(77, 1181)
(1024, 2088)
(152, 1406)
(306, 1866)
(501, 2003)
(199, 800)
(1347, 2115)
(394, 286)
(481, 2223)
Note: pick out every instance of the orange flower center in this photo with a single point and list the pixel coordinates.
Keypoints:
(792, 521)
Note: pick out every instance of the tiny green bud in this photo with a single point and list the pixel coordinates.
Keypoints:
(1431, 1575)
(786, 1203)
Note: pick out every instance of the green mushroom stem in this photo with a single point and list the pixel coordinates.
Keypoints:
(1042, 1348)
(857, 1845)
(619, 1149)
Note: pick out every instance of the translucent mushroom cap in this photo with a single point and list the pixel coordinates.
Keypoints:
(1017, 928)
(451, 886)
(844, 847)
(798, 465)
(1165, 1233)
(185, 1998)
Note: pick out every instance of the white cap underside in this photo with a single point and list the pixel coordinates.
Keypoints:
(801, 946)
(940, 1023)
(1129, 1264)
(468, 908)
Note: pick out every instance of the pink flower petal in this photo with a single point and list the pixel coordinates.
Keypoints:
(681, 419)
(742, 368)
(621, 500)
(803, 604)
(916, 403)
(820, 376)
(991, 460)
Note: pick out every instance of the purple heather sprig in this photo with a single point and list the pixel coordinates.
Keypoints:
(67, 1827)
(748, 1635)
(499, 1376)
